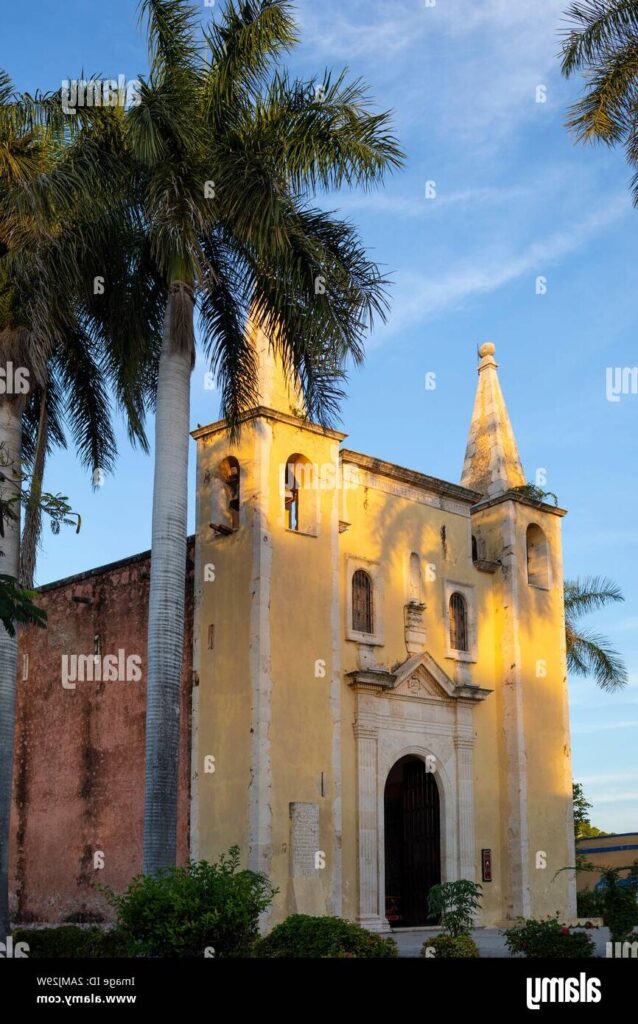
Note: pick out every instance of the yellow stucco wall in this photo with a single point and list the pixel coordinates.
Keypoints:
(298, 584)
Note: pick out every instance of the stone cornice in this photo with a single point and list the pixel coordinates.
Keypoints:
(410, 476)
(263, 412)
(371, 680)
(522, 500)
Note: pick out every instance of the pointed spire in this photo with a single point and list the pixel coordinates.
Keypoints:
(275, 391)
(492, 463)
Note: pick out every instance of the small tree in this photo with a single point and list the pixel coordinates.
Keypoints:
(583, 827)
(455, 903)
(618, 897)
(619, 903)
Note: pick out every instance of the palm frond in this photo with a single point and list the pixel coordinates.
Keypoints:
(598, 27)
(590, 594)
(87, 405)
(589, 654)
(171, 35)
(607, 112)
(243, 44)
(324, 134)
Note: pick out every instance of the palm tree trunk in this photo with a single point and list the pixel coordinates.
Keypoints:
(168, 580)
(11, 441)
(33, 514)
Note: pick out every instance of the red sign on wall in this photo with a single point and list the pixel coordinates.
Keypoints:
(486, 864)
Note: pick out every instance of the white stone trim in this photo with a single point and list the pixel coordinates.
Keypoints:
(335, 700)
(195, 703)
(260, 813)
(388, 727)
(514, 722)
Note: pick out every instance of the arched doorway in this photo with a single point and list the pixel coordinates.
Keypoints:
(412, 841)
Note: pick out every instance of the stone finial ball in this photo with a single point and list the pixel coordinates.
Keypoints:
(487, 349)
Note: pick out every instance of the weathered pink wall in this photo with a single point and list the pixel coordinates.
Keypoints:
(79, 754)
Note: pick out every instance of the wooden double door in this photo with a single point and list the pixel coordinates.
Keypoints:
(412, 842)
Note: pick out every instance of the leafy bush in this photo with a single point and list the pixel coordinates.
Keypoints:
(589, 903)
(186, 911)
(455, 903)
(303, 936)
(450, 947)
(548, 938)
(619, 903)
(70, 941)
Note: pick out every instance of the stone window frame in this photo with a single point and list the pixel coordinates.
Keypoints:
(466, 590)
(308, 501)
(547, 557)
(373, 570)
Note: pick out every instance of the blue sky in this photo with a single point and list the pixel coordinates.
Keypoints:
(515, 200)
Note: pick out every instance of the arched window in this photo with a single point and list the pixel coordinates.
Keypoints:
(458, 623)
(537, 557)
(362, 610)
(300, 495)
(416, 580)
(474, 549)
(226, 497)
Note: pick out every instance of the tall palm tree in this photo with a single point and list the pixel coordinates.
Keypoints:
(225, 152)
(60, 223)
(590, 654)
(602, 42)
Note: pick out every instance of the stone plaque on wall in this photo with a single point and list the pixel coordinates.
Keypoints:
(307, 891)
(304, 838)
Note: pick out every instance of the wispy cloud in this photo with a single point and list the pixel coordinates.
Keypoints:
(417, 206)
(615, 798)
(420, 297)
(605, 779)
(508, 49)
(593, 727)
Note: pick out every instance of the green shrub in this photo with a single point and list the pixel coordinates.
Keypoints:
(69, 941)
(620, 910)
(202, 909)
(451, 947)
(589, 904)
(303, 936)
(548, 938)
(455, 904)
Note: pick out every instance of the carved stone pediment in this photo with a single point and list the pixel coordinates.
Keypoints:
(421, 684)
(419, 676)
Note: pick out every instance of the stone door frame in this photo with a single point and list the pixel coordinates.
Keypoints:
(418, 711)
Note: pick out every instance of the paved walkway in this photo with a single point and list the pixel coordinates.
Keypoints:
(490, 941)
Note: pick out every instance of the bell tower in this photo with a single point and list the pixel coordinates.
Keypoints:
(523, 536)
(266, 713)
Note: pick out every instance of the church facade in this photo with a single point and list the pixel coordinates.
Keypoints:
(381, 670)
(375, 693)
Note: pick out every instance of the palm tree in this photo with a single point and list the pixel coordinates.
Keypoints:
(59, 222)
(225, 153)
(602, 42)
(589, 654)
